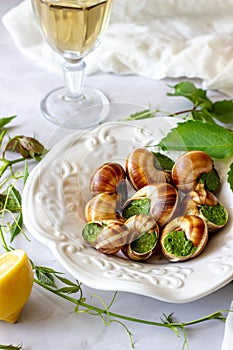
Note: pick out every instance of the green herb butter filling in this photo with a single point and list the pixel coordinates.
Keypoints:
(215, 214)
(91, 231)
(176, 243)
(145, 243)
(136, 207)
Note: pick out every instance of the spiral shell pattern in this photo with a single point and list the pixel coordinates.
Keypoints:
(139, 225)
(112, 238)
(102, 207)
(195, 230)
(106, 178)
(163, 201)
(195, 200)
(189, 167)
(141, 171)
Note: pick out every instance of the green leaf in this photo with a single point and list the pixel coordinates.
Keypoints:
(47, 270)
(3, 132)
(223, 111)
(5, 121)
(15, 194)
(16, 226)
(213, 139)
(167, 318)
(69, 290)
(45, 276)
(11, 347)
(26, 172)
(28, 147)
(145, 114)
(162, 161)
(11, 199)
(188, 90)
(230, 177)
(67, 281)
(203, 115)
(9, 203)
(4, 163)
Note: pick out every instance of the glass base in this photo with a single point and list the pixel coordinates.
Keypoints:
(75, 113)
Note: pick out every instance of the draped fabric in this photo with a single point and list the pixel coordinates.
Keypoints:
(151, 38)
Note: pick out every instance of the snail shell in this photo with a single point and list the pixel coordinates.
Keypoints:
(145, 234)
(106, 178)
(163, 200)
(112, 238)
(195, 202)
(102, 207)
(93, 228)
(141, 170)
(187, 231)
(189, 167)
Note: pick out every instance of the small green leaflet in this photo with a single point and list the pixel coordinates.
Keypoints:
(145, 114)
(5, 121)
(188, 90)
(15, 202)
(223, 111)
(213, 139)
(26, 172)
(203, 108)
(230, 176)
(16, 226)
(162, 161)
(11, 347)
(45, 275)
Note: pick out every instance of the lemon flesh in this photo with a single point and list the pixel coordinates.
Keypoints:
(16, 281)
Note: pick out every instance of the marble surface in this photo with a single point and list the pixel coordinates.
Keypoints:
(47, 321)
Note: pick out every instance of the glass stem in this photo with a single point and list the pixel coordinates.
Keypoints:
(74, 75)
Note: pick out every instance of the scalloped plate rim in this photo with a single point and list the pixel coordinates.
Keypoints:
(143, 287)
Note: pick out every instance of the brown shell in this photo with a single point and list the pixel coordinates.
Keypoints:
(195, 230)
(101, 225)
(138, 225)
(192, 202)
(163, 201)
(106, 178)
(102, 207)
(189, 167)
(112, 238)
(141, 171)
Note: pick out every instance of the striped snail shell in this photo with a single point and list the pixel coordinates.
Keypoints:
(103, 206)
(145, 234)
(189, 167)
(160, 199)
(112, 238)
(204, 204)
(184, 238)
(141, 170)
(106, 178)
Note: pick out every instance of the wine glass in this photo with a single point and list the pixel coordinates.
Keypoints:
(73, 28)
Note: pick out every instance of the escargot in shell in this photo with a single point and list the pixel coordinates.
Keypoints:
(184, 238)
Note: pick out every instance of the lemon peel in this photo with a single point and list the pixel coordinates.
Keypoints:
(16, 281)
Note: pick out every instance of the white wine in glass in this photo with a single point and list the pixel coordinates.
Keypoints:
(73, 28)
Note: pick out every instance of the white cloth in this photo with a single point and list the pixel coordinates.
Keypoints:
(152, 38)
(228, 335)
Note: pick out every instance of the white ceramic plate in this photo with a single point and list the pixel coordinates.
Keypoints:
(53, 207)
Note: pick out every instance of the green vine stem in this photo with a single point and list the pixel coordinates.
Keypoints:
(8, 163)
(167, 323)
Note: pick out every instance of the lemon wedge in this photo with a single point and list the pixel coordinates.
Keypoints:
(16, 280)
